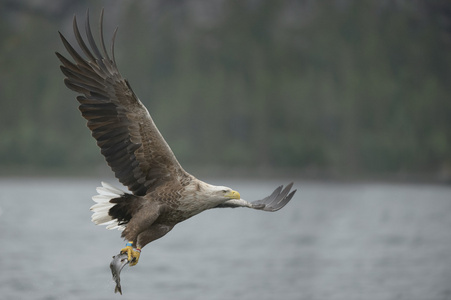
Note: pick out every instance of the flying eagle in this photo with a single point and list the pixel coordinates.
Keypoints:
(162, 192)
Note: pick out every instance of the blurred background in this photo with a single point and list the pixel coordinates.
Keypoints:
(322, 89)
(350, 99)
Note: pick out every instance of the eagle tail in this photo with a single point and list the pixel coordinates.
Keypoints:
(106, 201)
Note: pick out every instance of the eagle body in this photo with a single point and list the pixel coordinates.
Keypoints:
(164, 207)
(161, 193)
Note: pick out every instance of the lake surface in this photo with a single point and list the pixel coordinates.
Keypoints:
(332, 241)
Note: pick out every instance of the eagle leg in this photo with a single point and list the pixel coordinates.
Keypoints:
(133, 256)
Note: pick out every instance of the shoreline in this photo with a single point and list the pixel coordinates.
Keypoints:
(441, 178)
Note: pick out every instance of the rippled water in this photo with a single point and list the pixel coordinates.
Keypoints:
(333, 241)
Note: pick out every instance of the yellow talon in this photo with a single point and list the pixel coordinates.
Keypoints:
(133, 256)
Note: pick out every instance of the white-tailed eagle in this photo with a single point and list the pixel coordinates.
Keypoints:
(162, 193)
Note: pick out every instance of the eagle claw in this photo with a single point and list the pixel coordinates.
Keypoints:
(133, 256)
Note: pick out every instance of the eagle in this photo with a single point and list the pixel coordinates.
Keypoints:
(161, 193)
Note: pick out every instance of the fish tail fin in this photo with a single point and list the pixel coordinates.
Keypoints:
(118, 289)
(107, 199)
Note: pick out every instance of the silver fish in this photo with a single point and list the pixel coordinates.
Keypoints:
(117, 264)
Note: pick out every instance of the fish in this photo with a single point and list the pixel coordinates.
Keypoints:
(117, 264)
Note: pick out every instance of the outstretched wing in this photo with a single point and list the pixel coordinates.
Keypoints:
(278, 199)
(125, 132)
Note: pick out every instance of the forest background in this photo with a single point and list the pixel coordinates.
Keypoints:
(323, 89)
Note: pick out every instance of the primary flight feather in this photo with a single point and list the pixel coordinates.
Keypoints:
(162, 192)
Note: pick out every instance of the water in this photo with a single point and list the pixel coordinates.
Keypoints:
(333, 241)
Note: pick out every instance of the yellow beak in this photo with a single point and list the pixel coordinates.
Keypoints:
(233, 195)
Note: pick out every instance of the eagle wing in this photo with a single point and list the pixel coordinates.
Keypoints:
(278, 199)
(125, 132)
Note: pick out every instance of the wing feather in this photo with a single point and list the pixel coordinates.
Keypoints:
(125, 132)
(278, 199)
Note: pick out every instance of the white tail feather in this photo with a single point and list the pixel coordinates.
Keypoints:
(103, 205)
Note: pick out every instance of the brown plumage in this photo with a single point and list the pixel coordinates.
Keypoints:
(162, 193)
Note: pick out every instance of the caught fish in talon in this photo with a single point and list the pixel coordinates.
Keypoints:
(117, 264)
(161, 193)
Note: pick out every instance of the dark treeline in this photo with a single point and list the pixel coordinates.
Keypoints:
(347, 87)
